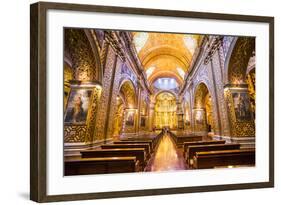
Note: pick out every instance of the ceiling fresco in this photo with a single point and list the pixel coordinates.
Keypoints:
(165, 55)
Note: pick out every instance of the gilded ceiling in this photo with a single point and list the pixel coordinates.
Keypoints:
(165, 54)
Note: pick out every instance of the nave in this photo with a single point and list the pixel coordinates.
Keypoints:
(150, 101)
(164, 152)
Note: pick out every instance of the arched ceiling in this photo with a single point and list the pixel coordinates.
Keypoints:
(165, 96)
(165, 54)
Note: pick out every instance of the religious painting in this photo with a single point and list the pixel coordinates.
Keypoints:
(242, 106)
(77, 107)
(130, 120)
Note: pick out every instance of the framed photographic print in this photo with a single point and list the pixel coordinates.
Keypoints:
(136, 102)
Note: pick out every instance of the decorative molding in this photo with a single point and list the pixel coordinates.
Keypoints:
(214, 45)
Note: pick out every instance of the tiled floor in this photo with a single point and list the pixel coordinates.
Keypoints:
(166, 157)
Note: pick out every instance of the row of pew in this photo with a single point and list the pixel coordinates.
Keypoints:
(122, 156)
(203, 154)
(180, 139)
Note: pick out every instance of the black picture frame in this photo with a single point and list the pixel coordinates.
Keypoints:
(38, 102)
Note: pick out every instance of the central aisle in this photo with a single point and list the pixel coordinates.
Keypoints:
(167, 157)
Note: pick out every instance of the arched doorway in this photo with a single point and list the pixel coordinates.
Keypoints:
(165, 111)
(203, 109)
(126, 113)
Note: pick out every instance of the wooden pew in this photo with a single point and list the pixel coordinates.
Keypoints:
(122, 146)
(154, 139)
(139, 153)
(135, 142)
(181, 139)
(104, 165)
(192, 150)
(223, 158)
(187, 144)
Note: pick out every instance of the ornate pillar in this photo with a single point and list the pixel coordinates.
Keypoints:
(113, 102)
(81, 133)
(180, 116)
(138, 107)
(241, 119)
(107, 105)
(100, 132)
(151, 116)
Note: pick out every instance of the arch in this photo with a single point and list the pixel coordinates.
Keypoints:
(96, 52)
(81, 50)
(165, 74)
(200, 93)
(238, 58)
(165, 50)
(128, 92)
(203, 108)
(167, 56)
(164, 91)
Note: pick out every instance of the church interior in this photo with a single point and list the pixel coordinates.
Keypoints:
(149, 101)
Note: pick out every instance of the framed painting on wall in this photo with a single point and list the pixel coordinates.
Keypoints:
(130, 120)
(242, 106)
(77, 106)
(113, 56)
